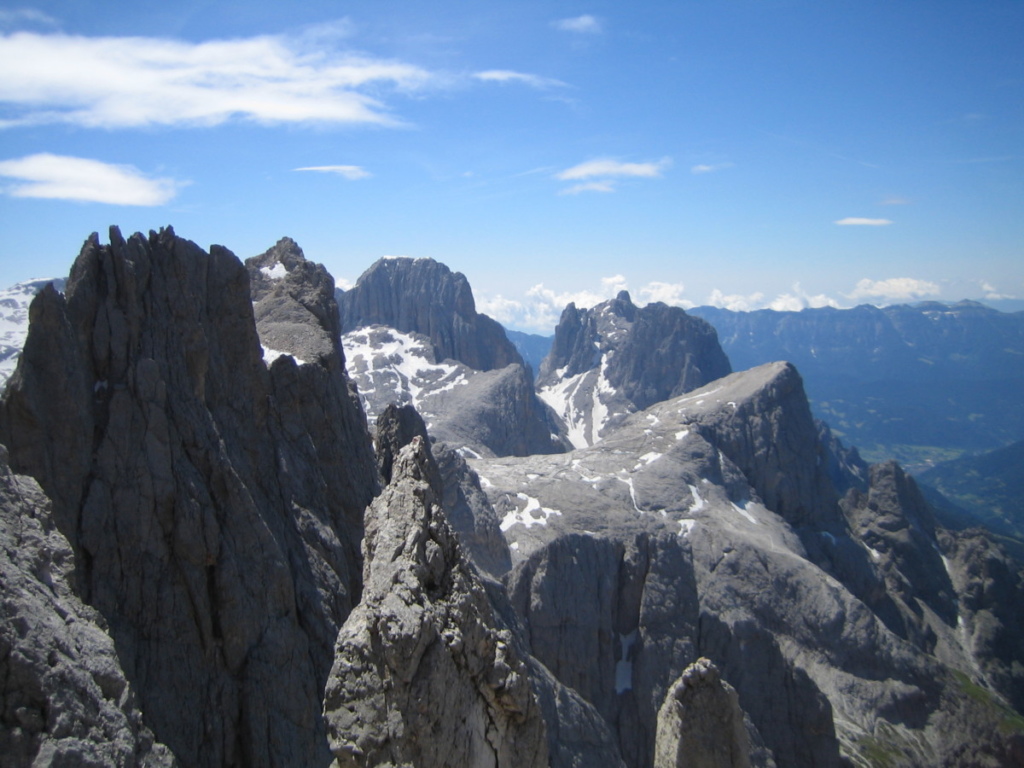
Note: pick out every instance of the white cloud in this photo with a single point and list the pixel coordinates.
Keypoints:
(991, 293)
(585, 24)
(606, 167)
(854, 221)
(799, 299)
(734, 301)
(350, 172)
(540, 308)
(667, 293)
(893, 289)
(510, 76)
(58, 177)
(120, 82)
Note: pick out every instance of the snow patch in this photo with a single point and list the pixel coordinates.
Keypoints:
(275, 272)
(526, 516)
(270, 355)
(682, 434)
(686, 525)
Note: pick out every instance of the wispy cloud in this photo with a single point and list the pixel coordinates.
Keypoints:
(603, 174)
(15, 17)
(855, 221)
(58, 177)
(589, 186)
(706, 168)
(350, 172)
(606, 167)
(510, 76)
(893, 289)
(585, 24)
(123, 82)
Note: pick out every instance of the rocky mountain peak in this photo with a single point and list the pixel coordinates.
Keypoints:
(424, 296)
(294, 305)
(614, 359)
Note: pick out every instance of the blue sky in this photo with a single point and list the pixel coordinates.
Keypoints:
(740, 153)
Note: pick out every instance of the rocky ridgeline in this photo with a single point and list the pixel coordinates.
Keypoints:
(716, 581)
(615, 359)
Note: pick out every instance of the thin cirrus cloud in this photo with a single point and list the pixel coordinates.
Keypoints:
(59, 177)
(856, 221)
(601, 174)
(511, 76)
(350, 172)
(707, 168)
(585, 24)
(126, 82)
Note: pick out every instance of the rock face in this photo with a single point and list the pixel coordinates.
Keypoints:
(424, 296)
(615, 359)
(214, 506)
(701, 723)
(64, 699)
(422, 674)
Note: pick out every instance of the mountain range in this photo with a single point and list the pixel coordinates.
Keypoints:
(652, 555)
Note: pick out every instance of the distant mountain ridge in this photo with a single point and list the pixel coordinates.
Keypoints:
(916, 382)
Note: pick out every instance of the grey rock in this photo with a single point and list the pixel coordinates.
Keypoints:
(293, 303)
(701, 723)
(424, 296)
(615, 359)
(64, 699)
(471, 514)
(423, 675)
(214, 506)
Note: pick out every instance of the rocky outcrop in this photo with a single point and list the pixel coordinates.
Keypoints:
(423, 675)
(895, 523)
(294, 305)
(701, 725)
(424, 296)
(214, 506)
(615, 359)
(64, 699)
